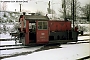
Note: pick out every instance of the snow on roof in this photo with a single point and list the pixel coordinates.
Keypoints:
(36, 17)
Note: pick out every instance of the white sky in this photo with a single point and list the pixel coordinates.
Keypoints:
(41, 5)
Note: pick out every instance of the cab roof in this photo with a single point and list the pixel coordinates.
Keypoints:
(36, 17)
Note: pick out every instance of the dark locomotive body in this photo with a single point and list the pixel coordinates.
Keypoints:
(62, 31)
(59, 30)
(41, 30)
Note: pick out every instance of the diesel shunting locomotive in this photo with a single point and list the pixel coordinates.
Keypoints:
(40, 30)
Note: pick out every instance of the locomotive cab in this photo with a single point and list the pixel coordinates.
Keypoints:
(36, 30)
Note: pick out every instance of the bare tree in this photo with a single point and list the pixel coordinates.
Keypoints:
(67, 8)
(86, 12)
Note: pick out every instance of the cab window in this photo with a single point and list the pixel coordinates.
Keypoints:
(42, 25)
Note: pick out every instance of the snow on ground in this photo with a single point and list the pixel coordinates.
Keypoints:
(11, 47)
(86, 27)
(67, 52)
(83, 37)
(8, 42)
(87, 33)
(7, 25)
(17, 51)
(5, 36)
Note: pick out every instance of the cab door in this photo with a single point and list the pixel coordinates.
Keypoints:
(42, 32)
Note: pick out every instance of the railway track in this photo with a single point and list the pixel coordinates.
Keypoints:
(7, 39)
(83, 41)
(19, 46)
(10, 47)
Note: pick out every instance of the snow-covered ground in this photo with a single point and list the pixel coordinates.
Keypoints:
(8, 42)
(83, 37)
(5, 36)
(67, 52)
(85, 28)
(17, 51)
